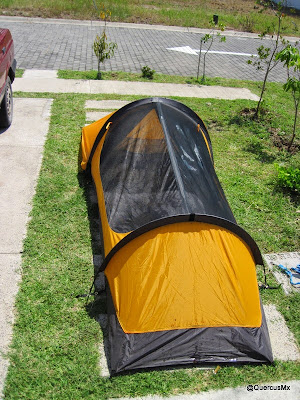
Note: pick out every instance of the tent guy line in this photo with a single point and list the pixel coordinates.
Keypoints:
(189, 50)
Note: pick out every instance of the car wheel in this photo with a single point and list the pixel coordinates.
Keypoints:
(6, 107)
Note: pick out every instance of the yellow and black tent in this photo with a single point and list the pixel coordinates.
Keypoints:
(180, 273)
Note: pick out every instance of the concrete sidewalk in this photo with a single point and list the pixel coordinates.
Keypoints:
(21, 149)
(46, 82)
(272, 391)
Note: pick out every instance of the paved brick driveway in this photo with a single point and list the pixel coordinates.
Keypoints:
(67, 44)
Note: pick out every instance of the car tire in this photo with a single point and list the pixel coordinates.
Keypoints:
(6, 107)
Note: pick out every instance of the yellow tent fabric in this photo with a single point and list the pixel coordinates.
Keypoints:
(88, 137)
(184, 275)
(146, 137)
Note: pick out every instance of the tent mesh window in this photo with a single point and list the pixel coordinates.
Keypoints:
(157, 164)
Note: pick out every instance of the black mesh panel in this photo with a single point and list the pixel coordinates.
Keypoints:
(155, 164)
(136, 173)
(201, 187)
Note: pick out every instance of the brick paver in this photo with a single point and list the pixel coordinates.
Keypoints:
(66, 44)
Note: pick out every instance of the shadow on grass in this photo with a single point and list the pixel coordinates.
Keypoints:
(246, 122)
(246, 117)
(90, 196)
(262, 154)
(294, 196)
(96, 306)
(96, 303)
(257, 127)
(97, 310)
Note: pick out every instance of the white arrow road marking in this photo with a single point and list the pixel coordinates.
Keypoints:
(189, 50)
(185, 49)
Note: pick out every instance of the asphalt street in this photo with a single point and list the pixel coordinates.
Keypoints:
(67, 44)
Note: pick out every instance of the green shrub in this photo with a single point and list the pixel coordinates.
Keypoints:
(288, 178)
(147, 72)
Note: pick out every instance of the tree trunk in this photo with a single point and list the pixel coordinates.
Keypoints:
(199, 59)
(99, 75)
(294, 128)
(204, 58)
(262, 93)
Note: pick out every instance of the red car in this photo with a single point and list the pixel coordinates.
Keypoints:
(7, 76)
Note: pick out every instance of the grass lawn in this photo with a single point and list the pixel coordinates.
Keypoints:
(55, 345)
(157, 77)
(239, 14)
